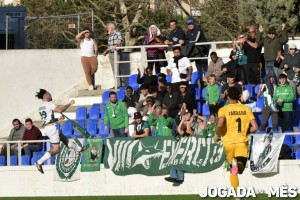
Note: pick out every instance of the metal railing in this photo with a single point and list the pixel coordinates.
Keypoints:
(48, 147)
(143, 61)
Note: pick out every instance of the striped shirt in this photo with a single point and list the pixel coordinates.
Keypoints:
(114, 39)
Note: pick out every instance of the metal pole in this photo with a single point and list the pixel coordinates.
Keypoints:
(6, 32)
(8, 154)
(93, 20)
(115, 68)
(143, 57)
(19, 154)
(78, 24)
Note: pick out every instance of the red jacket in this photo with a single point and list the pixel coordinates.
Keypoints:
(33, 134)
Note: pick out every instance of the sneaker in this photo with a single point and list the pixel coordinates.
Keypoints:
(234, 167)
(170, 179)
(178, 182)
(91, 87)
(39, 167)
(84, 148)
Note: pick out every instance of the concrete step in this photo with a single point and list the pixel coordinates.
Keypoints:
(82, 93)
(86, 100)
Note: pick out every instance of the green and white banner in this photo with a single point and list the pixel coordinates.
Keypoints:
(92, 156)
(67, 162)
(157, 155)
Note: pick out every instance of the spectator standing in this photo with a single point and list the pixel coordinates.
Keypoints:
(211, 126)
(155, 38)
(89, 54)
(16, 134)
(131, 97)
(163, 124)
(212, 94)
(214, 66)
(117, 116)
(180, 68)
(230, 67)
(31, 133)
(177, 35)
(130, 110)
(186, 100)
(142, 99)
(198, 124)
(253, 51)
(291, 65)
(195, 34)
(115, 40)
(241, 57)
(267, 89)
(284, 96)
(272, 44)
(230, 83)
(171, 101)
(148, 79)
(141, 128)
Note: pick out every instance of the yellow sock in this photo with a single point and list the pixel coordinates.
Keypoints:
(234, 180)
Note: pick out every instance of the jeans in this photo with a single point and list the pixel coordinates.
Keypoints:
(120, 132)
(266, 113)
(178, 174)
(286, 120)
(269, 67)
(32, 148)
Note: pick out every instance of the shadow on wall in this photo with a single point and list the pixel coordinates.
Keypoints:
(125, 67)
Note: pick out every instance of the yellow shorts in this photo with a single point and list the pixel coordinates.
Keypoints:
(236, 150)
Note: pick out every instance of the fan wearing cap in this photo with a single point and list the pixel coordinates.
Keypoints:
(195, 34)
(272, 44)
(291, 64)
(46, 111)
(284, 96)
(155, 38)
(141, 128)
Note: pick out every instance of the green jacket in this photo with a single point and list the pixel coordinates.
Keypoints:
(120, 120)
(210, 132)
(164, 126)
(272, 46)
(286, 93)
(212, 94)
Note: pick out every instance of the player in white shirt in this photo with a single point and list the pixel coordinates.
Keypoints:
(180, 68)
(46, 111)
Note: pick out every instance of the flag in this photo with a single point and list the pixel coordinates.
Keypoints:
(80, 130)
(92, 156)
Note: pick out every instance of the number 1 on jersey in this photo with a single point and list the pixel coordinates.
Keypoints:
(239, 121)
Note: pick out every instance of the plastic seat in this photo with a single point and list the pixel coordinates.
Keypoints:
(2, 161)
(102, 132)
(256, 89)
(198, 107)
(103, 113)
(260, 103)
(203, 93)
(76, 133)
(298, 103)
(105, 97)
(13, 160)
(250, 89)
(297, 139)
(270, 121)
(92, 128)
(197, 94)
(35, 158)
(288, 139)
(195, 77)
(52, 160)
(25, 160)
(120, 94)
(94, 113)
(297, 154)
(132, 80)
(205, 109)
(169, 78)
(67, 129)
(123, 88)
(81, 113)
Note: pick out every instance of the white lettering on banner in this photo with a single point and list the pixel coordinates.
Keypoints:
(246, 192)
(166, 154)
(283, 191)
(191, 151)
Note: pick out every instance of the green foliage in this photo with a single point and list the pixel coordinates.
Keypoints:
(270, 13)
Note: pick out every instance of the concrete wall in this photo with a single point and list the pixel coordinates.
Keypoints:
(27, 181)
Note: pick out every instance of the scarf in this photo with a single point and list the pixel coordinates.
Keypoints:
(176, 59)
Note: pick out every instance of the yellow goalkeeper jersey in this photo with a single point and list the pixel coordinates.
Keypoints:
(237, 118)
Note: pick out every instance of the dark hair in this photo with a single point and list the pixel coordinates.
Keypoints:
(129, 87)
(169, 84)
(16, 120)
(143, 87)
(148, 69)
(176, 48)
(40, 94)
(282, 76)
(234, 93)
(163, 81)
(28, 120)
(88, 29)
(112, 93)
(174, 20)
(212, 76)
(153, 90)
(213, 53)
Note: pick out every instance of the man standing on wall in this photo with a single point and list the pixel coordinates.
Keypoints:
(115, 40)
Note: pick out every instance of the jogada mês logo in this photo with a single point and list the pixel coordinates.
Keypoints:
(283, 191)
